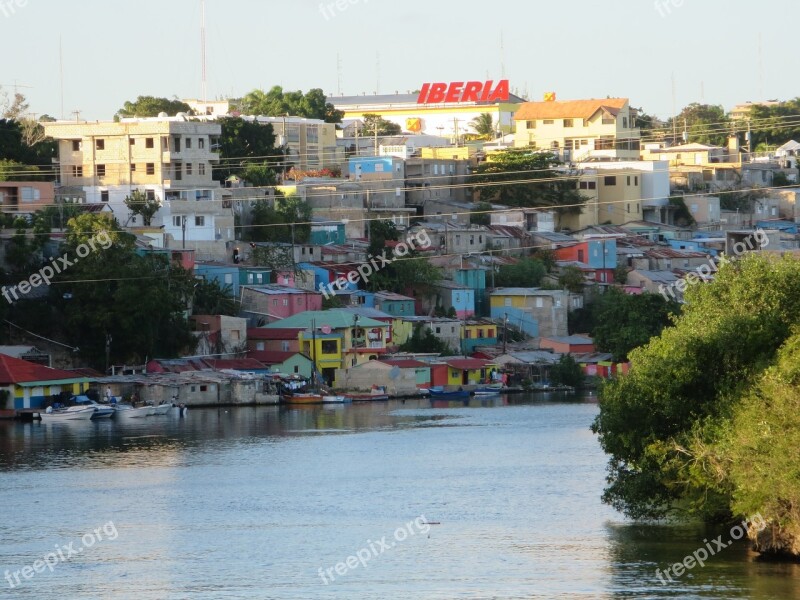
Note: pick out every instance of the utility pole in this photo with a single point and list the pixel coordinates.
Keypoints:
(183, 230)
(505, 334)
(376, 137)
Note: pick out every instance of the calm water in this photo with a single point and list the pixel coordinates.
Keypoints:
(253, 503)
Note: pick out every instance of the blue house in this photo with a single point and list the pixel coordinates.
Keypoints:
(451, 295)
(224, 275)
(394, 304)
(325, 232)
(325, 275)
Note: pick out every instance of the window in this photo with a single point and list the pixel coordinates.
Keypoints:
(628, 207)
(76, 145)
(568, 123)
(468, 334)
(29, 194)
(636, 180)
(480, 334)
(439, 330)
(296, 368)
(228, 279)
(188, 143)
(548, 122)
(201, 169)
(261, 346)
(586, 122)
(274, 303)
(285, 346)
(629, 179)
(132, 141)
(149, 143)
(77, 171)
(508, 302)
(201, 143)
(531, 124)
(490, 333)
(101, 170)
(625, 122)
(189, 169)
(151, 168)
(100, 144)
(150, 194)
(177, 143)
(330, 347)
(104, 196)
(588, 185)
(200, 221)
(610, 180)
(203, 388)
(539, 303)
(609, 120)
(177, 221)
(133, 167)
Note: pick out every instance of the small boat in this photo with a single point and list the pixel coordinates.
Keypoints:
(302, 398)
(60, 416)
(101, 411)
(334, 399)
(438, 392)
(378, 394)
(489, 390)
(126, 411)
(160, 410)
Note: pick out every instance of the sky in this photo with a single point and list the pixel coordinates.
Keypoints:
(661, 54)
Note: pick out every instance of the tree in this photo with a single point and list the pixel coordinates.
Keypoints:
(483, 125)
(774, 125)
(704, 124)
(377, 125)
(423, 341)
(522, 178)
(381, 232)
(526, 273)
(139, 302)
(572, 279)
(567, 372)
(20, 250)
(211, 299)
(247, 148)
(140, 204)
(660, 422)
(482, 214)
(275, 221)
(13, 171)
(150, 106)
(621, 274)
(278, 103)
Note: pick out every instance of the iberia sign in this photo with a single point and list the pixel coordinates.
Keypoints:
(461, 91)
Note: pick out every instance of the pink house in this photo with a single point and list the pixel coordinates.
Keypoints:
(26, 197)
(276, 302)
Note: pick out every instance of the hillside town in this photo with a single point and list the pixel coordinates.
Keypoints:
(451, 238)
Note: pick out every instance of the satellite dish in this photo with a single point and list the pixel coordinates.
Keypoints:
(394, 373)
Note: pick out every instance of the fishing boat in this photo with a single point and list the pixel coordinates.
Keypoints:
(101, 411)
(334, 399)
(67, 415)
(490, 390)
(302, 398)
(160, 410)
(126, 411)
(377, 394)
(441, 393)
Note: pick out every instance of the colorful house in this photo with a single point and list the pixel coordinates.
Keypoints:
(422, 371)
(571, 344)
(223, 275)
(396, 305)
(276, 302)
(31, 385)
(478, 333)
(456, 297)
(599, 255)
(262, 339)
(461, 371)
(285, 363)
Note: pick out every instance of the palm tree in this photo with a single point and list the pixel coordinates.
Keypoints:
(484, 125)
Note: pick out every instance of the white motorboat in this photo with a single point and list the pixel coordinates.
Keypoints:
(126, 411)
(334, 399)
(62, 416)
(101, 411)
(160, 410)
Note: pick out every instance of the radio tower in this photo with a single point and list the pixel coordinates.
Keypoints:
(204, 86)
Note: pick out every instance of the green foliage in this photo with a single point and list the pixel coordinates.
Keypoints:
(273, 222)
(211, 299)
(621, 274)
(140, 301)
(139, 204)
(247, 150)
(775, 125)
(412, 275)
(423, 341)
(482, 215)
(683, 387)
(259, 175)
(376, 123)
(483, 124)
(705, 123)
(780, 179)
(150, 106)
(567, 372)
(528, 272)
(572, 279)
(541, 185)
(22, 142)
(683, 217)
(278, 103)
(742, 199)
(381, 232)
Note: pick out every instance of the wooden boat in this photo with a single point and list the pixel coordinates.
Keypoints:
(302, 398)
(441, 393)
(378, 394)
(334, 399)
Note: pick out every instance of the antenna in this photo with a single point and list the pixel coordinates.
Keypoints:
(61, 68)
(378, 74)
(338, 74)
(674, 110)
(204, 86)
(502, 55)
(760, 67)
(77, 114)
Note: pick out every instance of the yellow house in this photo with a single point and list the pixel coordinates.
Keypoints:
(401, 331)
(611, 197)
(326, 351)
(457, 372)
(31, 385)
(580, 129)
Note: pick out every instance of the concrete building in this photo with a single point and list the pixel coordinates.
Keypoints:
(26, 197)
(170, 159)
(581, 129)
(536, 312)
(311, 142)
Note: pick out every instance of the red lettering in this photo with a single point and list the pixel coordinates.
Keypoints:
(471, 91)
(501, 93)
(423, 95)
(437, 94)
(487, 88)
(454, 93)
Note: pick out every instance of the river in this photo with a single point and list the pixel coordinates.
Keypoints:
(496, 499)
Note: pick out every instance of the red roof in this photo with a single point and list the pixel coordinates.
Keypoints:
(271, 358)
(406, 364)
(467, 364)
(15, 370)
(273, 334)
